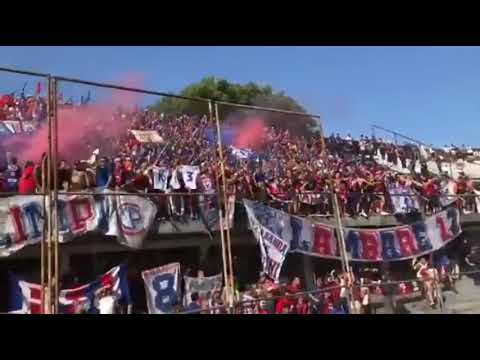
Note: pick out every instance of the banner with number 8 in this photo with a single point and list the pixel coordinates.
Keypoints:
(162, 288)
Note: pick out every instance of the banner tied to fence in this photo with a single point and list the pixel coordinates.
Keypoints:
(128, 218)
(278, 232)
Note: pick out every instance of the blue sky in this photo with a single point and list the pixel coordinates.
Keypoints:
(429, 93)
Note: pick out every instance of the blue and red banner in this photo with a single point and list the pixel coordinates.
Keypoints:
(384, 244)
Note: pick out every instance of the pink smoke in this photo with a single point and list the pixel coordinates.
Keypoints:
(251, 134)
(78, 125)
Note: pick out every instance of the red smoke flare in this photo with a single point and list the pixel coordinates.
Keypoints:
(76, 126)
(251, 134)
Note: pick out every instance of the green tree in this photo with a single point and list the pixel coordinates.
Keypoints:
(248, 94)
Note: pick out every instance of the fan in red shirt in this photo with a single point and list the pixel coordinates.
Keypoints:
(284, 303)
(302, 307)
(27, 183)
(119, 174)
(295, 285)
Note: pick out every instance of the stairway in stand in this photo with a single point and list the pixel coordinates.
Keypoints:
(467, 301)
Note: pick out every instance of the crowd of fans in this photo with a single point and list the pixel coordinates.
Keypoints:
(362, 292)
(297, 173)
(294, 172)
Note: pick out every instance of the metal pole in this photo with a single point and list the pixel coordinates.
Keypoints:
(49, 197)
(340, 236)
(24, 72)
(45, 215)
(343, 250)
(220, 219)
(42, 242)
(55, 192)
(401, 135)
(226, 205)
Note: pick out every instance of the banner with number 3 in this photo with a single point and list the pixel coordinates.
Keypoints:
(162, 288)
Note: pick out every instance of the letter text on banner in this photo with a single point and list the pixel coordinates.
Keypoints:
(302, 234)
(352, 242)
(371, 245)
(324, 242)
(441, 220)
(387, 244)
(423, 241)
(390, 247)
(82, 211)
(162, 285)
(408, 243)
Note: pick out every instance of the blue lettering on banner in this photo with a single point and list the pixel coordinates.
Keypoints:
(33, 215)
(166, 296)
(104, 207)
(63, 223)
(420, 231)
(452, 215)
(131, 218)
(353, 243)
(390, 251)
(296, 232)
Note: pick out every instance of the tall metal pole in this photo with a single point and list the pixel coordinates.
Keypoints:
(220, 219)
(55, 193)
(45, 213)
(49, 197)
(226, 205)
(343, 250)
(339, 228)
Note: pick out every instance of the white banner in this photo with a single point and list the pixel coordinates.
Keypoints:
(241, 153)
(272, 248)
(160, 178)
(129, 218)
(162, 286)
(203, 286)
(134, 218)
(147, 136)
(189, 176)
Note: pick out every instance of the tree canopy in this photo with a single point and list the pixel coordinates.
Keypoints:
(248, 94)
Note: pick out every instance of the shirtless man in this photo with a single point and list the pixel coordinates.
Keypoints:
(428, 275)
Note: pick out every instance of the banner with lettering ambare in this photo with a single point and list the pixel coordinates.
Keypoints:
(382, 244)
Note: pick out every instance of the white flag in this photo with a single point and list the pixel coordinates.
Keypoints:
(162, 286)
(189, 175)
(160, 178)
